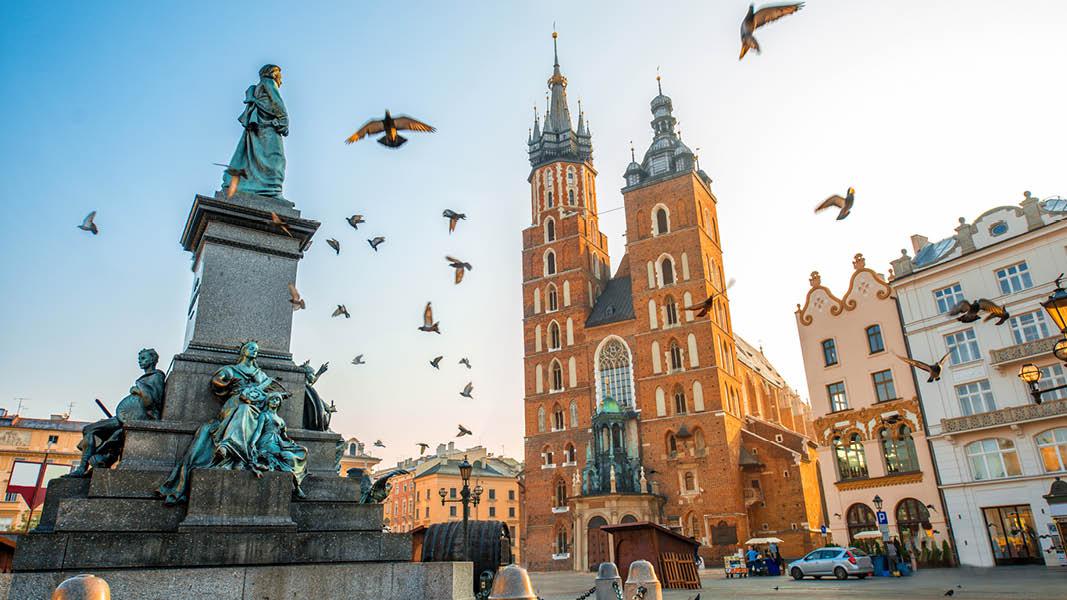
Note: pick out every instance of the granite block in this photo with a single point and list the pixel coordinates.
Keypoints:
(224, 498)
(331, 488)
(438, 580)
(117, 514)
(40, 551)
(396, 546)
(336, 516)
(125, 483)
(60, 489)
(155, 445)
(322, 451)
(371, 581)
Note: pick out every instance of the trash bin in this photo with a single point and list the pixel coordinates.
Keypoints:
(881, 566)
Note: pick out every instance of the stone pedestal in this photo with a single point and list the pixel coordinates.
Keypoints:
(238, 537)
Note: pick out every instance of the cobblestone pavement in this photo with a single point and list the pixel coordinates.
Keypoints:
(1002, 583)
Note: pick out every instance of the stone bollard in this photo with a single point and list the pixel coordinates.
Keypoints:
(607, 575)
(512, 583)
(83, 587)
(642, 574)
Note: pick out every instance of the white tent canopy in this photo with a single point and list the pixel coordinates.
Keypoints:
(868, 535)
(766, 540)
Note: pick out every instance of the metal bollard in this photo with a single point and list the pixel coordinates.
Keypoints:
(606, 575)
(512, 583)
(83, 587)
(642, 574)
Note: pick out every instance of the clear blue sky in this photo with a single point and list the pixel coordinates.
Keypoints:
(931, 110)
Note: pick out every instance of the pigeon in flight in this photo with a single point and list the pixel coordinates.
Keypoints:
(758, 18)
(464, 431)
(467, 389)
(341, 310)
(389, 125)
(950, 593)
(355, 220)
(236, 175)
(838, 515)
(428, 324)
(378, 444)
(274, 218)
(453, 218)
(968, 311)
(703, 308)
(931, 507)
(436, 363)
(335, 245)
(934, 370)
(843, 204)
(88, 224)
(422, 447)
(465, 362)
(459, 266)
(295, 299)
(375, 242)
(358, 360)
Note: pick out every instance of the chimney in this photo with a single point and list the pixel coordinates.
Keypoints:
(918, 242)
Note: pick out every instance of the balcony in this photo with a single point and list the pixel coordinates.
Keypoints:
(752, 496)
(1020, 352)
(1005, 416)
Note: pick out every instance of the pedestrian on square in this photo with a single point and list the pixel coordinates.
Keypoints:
(892, 551)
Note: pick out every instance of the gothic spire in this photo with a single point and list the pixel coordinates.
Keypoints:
(558, 138)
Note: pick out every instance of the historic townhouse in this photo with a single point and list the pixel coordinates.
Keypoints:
(636, 409)
(997, 452)
(868, 420)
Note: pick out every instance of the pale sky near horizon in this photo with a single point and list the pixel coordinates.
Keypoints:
(931, 110)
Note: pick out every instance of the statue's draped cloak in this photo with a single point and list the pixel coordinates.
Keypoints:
(261, 152)
(145, 400)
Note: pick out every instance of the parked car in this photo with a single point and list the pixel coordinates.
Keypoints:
(839, 562)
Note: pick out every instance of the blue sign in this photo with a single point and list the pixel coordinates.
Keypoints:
(823, 529)
(883, 519)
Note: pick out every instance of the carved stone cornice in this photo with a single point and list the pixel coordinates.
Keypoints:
(873, 482)
(1006, 416)
(868, 420)
(1022, 351)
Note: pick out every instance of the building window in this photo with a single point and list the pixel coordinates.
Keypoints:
(569, 455)
(554, 338)
(11, 497)
(53, 439)
(975, 397)
(492, 511)
(898, 448)
(561, 493)
(860, 517)
(676, 356)
(553, 298)
(616, 379)
(690, 482)
(883, 386)
(679, 401)
(912, 520)
(574, 413)
(948, 297)
(1053, 375)
(451, 511)
(874, 339)
(1052, 445)
(557, 419)
(836, 393)
(851, 459)
(492, 494)
(550, 263)
(829, 352)
(1014, 278)
(511, 495)
(671, 310)
(993, 458)
(427, 512)
(451, 492)
(547, 457)
(672, 445)
(667, 269)
(570, 197)
(662, 221)
(550, 230)
(540, 419)
(511, 512)
(1028, 327)
(561, 541)
(557, 376)
(963, 347)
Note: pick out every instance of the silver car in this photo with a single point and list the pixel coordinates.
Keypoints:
(839, 562)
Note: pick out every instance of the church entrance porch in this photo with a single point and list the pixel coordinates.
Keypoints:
(599, 550)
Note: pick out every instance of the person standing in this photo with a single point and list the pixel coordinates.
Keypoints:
(892, 552)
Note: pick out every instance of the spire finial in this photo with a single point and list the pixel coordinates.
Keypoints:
(633, 157)
(555, 50)
(659, 84)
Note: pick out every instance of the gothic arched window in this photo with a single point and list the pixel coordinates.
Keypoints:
(561, 493)
(676, 356)
(554, 338)
(671, 309)
(666, 269)
(569, 454)
(680, 407)
(562, 546)
(615, 372)
(550, 230)
(662, 221)
(574, 413)
(550, 263)
(557, 418)
(690, 482)
(672, 445)
(540, 419)
(570, 197)
(557, 376)
(552, 298)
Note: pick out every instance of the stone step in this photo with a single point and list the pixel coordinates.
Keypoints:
(336, 516)
(125, 483)
(205, 548)
(117, 514)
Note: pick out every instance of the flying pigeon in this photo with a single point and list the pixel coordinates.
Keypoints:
(968, 311)
(295, 299)
(465, 362)
(931, 507)
(467, 389)
(428, 324)
(358, 360)
(422, 448)
(236, 175)
(459, 266)
(390, 126)
(436, 363)
(88, 225)
(934, 370)
(463, 431)
(758, 18)
(453, 218)
(950, 593)
(274, 218)
(341, 310)
(703, 308)
(355, 220)
(378, 444)
(335, 245)
(844, 204)
(375, 242)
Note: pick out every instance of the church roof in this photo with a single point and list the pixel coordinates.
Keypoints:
(616, 303)
(758, 362)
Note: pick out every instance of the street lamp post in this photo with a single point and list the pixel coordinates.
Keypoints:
(467, 497)
(1056, 307)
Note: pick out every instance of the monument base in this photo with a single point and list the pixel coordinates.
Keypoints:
(348, 581)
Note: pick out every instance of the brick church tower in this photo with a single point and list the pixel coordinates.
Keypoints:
(637, 409)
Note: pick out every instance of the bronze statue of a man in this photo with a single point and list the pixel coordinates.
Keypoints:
(102, 441)
(260, 155)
